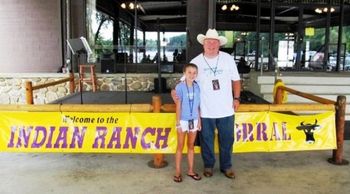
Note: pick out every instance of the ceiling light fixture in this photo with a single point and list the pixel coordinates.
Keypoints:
(130, 6)
(233, 7)
(324, 10)
(224, 7)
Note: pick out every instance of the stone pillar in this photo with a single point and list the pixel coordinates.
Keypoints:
(197, 22)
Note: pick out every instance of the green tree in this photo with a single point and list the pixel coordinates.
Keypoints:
(346, 37)
(103, 20)
(177, 42)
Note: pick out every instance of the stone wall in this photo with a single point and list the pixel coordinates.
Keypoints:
(12, 86)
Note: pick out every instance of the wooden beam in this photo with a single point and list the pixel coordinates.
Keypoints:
(79, 108)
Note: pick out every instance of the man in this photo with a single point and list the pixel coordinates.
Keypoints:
(220, 88)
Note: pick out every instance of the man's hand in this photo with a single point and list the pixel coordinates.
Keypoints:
(174, 96)
(236, 104)
(199, 126)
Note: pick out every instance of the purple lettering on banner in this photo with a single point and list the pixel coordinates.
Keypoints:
(238, 132)
(131, 136)
(101, 133)
(11, 142)
(77, 136)
(275, 133)
(261, 132)
(247, 132)
(115, 138)
(24, 135)
(150, 130)
(163, 138)
(62, 136)
(36, 143)
(284, 131)
(49, 140)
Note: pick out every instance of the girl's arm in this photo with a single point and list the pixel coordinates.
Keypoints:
(178, 113)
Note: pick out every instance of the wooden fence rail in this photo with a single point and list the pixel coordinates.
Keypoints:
(30, 88)
(340, 107)
(156, 106)
(279, 95)
(270, 107)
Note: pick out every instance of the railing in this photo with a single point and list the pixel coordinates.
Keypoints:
(157, 162)
(278, 98)
(30, 88)
(156, 106)
(340, 107)
(326, 105)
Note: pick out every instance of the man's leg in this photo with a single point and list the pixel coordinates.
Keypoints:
(226, 137)
(207, 142)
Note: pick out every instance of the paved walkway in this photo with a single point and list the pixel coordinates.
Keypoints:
(260, 173)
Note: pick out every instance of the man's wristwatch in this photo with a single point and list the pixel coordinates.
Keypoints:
(237, 98)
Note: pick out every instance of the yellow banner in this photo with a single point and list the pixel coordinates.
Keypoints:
(155, 132)
(271, 132)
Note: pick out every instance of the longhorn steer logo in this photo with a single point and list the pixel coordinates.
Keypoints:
(309, 130)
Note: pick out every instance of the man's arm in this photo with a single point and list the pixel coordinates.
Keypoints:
(236, 87)
(173, 91)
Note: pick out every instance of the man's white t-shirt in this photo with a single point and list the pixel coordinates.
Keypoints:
(216, 103)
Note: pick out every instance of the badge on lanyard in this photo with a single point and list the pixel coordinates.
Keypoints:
(216, 84)
(190, 102)
(190, 124)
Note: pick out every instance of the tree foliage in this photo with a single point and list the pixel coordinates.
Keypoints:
(177, 42)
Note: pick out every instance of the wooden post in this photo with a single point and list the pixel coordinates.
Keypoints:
(158, 159)
(71, 83)
(337, 157)
(279, 96)
(29, 92)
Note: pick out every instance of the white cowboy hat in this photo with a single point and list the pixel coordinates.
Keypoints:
(212, 34)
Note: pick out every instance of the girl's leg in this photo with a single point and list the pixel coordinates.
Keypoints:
(191, 137)
(178, 155)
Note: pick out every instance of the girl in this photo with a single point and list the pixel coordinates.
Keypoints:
(187, 120)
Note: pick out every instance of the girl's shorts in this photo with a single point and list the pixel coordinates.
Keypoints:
(184, 126)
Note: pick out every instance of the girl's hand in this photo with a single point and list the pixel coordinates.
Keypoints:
(178, 126)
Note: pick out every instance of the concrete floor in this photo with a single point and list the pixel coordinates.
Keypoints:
(270, 173)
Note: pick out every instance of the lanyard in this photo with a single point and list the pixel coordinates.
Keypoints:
(216, 66)
(190, 100)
